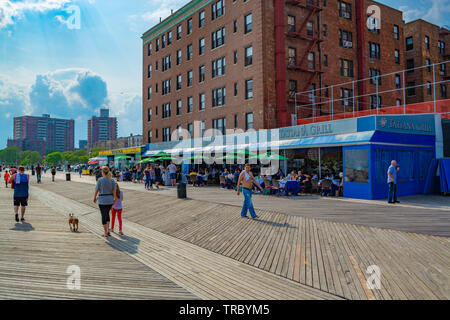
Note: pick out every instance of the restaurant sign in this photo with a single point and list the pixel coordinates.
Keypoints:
(417, 124)
(120, 151)
(318, 129)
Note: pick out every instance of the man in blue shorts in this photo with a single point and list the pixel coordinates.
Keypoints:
(21, 186)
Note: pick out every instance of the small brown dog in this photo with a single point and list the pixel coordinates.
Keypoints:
(73, 223)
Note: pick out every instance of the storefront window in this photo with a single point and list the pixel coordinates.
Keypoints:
(331, 161)
(357, 165)
(303, 159)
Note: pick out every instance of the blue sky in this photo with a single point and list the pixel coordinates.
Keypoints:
(46, 67)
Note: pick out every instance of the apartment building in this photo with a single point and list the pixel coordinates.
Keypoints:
(425, 45)
(102, 128)
(238, 63)
(54, 134)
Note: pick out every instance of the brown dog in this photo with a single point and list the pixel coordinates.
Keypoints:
(73, 223)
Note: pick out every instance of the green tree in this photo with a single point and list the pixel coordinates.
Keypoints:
(10, 156)
(54, 158)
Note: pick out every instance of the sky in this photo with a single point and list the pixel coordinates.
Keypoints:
(69, 58)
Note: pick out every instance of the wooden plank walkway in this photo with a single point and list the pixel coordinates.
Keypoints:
(317, 253)
(35, 255)
(206, 274)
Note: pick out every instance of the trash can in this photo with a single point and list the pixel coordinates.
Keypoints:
(181, 190)
(67, 176)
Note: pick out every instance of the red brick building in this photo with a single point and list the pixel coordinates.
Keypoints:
(102, 128)
(238, 63)
(43, 133)
(426, 45)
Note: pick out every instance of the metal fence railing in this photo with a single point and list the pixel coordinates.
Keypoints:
(384, 94)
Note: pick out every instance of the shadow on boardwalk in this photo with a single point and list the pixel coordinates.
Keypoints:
(24, 227)
(124, 244)
(276, 224)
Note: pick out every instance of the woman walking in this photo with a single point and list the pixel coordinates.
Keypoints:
(117, 209)
(106, 191)
(147, 178)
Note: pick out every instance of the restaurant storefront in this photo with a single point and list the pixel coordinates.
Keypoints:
(123, 158)
(359, 148)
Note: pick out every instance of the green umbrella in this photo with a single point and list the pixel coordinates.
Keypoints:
(245, 152)
(121, 157)
(230, 156)
(268, 156)
(147, 160)
(161, 155)
(197, 157)
(163, 158)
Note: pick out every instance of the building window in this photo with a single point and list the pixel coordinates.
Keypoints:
(202, 101)
(190, 78)
(179, 55)
(409, 43)
(166, 135)
(179, 80)
(201, 19)
(235, 26)
(190, 128)
(311, 60)
(427, 42)
(292, 57)
(325, 60)
(327, 91)
(428, 64)
(149, 93)
(218, 38)
(374, 50)
(218, 9)
(218, 97)
(442, 69)
(149, 115)
(218, 67)
(236, 123)
(248, 23)
(346, 97)
(396, 33)
(189, 52)
(325, 30)
(157, 44)
(397, 56)
(441, 47)
(249, 121)
(410, 65)
(375, 102)
(166, 63)
(411, 88)
(201, 46)
(163, 41)
(235, 57)
(166, 87)
(189, 26)
(345, 10)
(397, 81)
(150, 136)
(202, 128)
(179, 107)
(166, 110)
(149, 48)
(292, 24)
(248, 56)
(190, 104)
(374, 75)
(292, 88)
(429, 88)
(220, 125)
(179, 32)
(249, 89)
(398, 102)
(169, 38)
(345, 39)
(149, 74)
(443, 91)
(201, 74)
(235, 89)
(310, 28)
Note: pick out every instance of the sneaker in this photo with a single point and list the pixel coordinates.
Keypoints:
(22, 220)
(121, 233)
(391, 202)
(245, 217)
(255, 217)
(17, 217)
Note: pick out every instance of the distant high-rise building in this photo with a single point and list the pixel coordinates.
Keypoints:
(57, 134)
(101, 128)
(82, 144)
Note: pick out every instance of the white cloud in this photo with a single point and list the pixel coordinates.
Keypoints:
(10, 11)
(434, 11)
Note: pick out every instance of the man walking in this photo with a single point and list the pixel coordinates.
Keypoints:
(392, 182)
(21, 185)
(247, 179)
(38, 173)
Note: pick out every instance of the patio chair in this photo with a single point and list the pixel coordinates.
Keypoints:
(326, 187)
(315, 185)
(222, 181)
